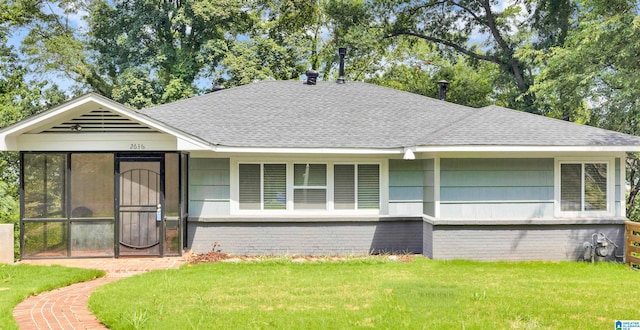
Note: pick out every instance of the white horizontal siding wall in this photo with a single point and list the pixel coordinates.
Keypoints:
(411, 187)
(496, 188)
(209, 187)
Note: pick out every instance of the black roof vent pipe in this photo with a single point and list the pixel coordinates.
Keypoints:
(342, 52)
(443, 89)
(312, 77)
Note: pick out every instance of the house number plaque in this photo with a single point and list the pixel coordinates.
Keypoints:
(136, 146)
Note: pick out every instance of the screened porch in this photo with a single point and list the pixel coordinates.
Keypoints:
(90, 204)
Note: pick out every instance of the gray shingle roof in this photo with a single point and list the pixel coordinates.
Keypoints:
(291, 114)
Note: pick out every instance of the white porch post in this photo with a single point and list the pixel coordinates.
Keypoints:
(6, 243)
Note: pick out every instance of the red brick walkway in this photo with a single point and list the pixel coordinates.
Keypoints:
(67, 308)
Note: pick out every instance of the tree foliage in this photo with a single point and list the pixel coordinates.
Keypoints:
(20, 96)
(595, 76)
(417, 67)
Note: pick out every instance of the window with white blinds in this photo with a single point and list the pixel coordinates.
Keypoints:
(262, 186)
(250, 186)
(356, 186)
(298, 186)
(583, 186)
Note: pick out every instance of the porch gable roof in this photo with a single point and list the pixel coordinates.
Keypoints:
(79, 110)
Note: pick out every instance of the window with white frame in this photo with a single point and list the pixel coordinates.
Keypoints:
(308, 186)
(262, 186)
(584, 186)
(356, 186)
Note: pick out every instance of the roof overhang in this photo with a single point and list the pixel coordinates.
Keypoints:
(30, 133)
(426, 150)
(525, 148)
(284, 150)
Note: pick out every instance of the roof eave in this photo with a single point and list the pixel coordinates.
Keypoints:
(421, 149)
(527, 148)
(308, 150)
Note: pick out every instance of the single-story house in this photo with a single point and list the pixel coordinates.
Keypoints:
(289, 167)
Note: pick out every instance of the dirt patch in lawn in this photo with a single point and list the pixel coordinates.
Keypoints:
(214, 256)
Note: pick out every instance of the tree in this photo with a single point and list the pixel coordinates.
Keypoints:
(595, 76)
(416, 67)
(172, 43)
(19, 97)
(279, 46)
(483, 30)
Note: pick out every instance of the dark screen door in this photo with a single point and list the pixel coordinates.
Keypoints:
(140, 203)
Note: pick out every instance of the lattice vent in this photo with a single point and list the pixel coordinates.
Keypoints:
(100, 121)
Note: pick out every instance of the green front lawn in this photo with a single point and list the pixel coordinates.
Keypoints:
(18, 282)
(373, 293)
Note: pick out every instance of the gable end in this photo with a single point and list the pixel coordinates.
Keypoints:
(98, 121)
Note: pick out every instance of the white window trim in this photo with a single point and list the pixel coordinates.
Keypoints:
(611, 172)
(290, 211)
(294, 187)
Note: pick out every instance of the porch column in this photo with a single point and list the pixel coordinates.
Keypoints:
(6, 243)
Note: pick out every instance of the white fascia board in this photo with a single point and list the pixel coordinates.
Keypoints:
(187, 144)
(496, 148)
(351, 151)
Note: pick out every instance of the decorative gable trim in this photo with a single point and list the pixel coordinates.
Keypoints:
(91, 113)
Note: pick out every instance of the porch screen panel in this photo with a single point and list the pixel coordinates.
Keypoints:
(571, 187)
(275, 186)
(344, 187)
(368, 186)
(92, 238)
(249, 187)
(595, 187)
(45, 239)
(92, 186)
(44, 185)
